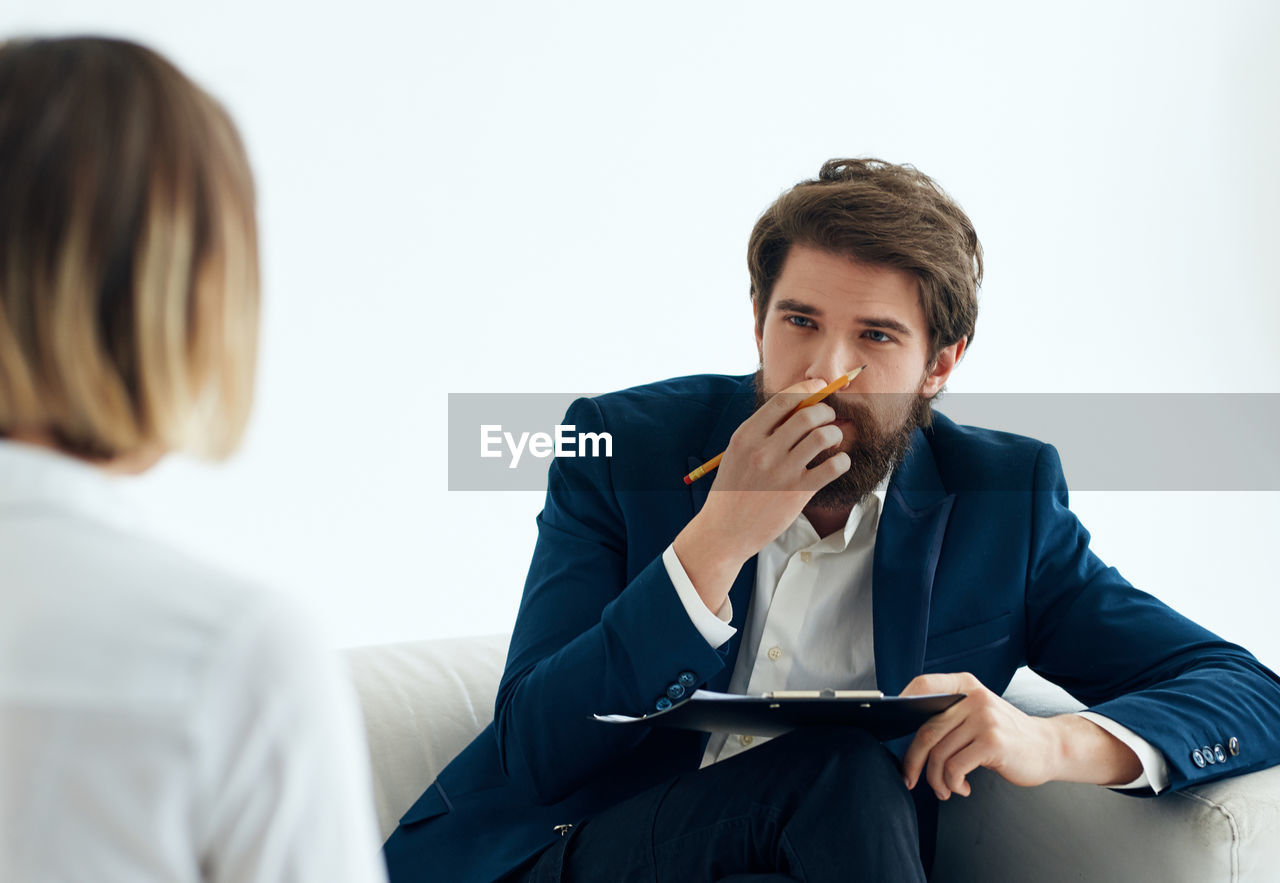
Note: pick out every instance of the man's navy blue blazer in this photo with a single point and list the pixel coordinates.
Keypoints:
(979, 566)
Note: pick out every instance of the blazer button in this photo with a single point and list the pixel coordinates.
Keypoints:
(1208, 754)
(1197, 758)
(1233, 745)
(675, 691)
(1219, 754)
(687, 679)
(662, 704)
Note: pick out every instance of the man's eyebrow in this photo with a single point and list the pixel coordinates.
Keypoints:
(888, 325)
(791, 305)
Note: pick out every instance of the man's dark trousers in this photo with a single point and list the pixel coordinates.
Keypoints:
(816, 805)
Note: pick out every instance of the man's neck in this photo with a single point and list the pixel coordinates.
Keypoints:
(827, 521)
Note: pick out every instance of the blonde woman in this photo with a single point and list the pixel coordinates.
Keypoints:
(159, 720)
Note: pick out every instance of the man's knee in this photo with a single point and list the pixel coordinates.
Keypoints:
(846, 747)
(817, 758)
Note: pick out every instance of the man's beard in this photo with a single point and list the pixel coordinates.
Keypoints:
(878, 445)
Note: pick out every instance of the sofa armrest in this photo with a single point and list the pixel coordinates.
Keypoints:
(423, 701)
(1227, 830)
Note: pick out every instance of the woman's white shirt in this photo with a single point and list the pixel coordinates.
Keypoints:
(160, 720)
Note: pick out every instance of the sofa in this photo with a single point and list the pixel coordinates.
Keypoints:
(423, 701)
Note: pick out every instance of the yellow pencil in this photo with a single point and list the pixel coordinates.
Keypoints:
(839, 383)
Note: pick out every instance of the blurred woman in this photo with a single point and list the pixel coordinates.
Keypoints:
(158, 720)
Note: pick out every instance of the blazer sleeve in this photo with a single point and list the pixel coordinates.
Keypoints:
(588, 640)
(1130, 657)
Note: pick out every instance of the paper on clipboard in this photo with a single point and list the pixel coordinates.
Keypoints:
(885, 717)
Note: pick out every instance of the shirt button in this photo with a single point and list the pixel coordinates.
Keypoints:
(775, 653)
(806, 556)
(746, 740)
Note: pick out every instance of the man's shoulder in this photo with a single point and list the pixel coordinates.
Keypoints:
(658, 427)
(678, 405)
(976, 457)
(689, 389)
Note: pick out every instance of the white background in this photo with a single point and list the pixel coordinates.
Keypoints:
(552, 197)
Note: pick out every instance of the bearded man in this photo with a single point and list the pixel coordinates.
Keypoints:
(863, 542)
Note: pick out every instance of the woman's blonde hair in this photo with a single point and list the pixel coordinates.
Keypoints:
(128, 254)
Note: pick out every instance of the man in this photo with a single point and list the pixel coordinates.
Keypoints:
(861, 542)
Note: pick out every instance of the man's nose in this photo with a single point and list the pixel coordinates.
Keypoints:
(833, 360)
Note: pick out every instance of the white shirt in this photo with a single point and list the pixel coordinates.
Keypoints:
(809, 625)
(159, 720)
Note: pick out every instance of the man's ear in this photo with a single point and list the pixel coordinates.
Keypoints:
(936, 376)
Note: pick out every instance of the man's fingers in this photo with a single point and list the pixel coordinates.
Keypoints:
(827, 471)
(795, 430)
(930, 734)
(944, 771)
(941, 682)
(817, 441)
(922, 685)
(961, 764)
(775, 411)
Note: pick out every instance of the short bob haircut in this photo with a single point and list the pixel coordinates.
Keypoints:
(128, 254)
(877, 213)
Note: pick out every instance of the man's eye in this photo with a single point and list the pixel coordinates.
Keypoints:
(878, 336)
(800, 321)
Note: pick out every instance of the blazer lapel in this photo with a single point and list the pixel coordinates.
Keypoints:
(908, 544)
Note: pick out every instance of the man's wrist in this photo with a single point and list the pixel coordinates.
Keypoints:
(1087, 753)
(708, 562)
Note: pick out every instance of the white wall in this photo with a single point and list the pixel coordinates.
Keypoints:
(511, 196)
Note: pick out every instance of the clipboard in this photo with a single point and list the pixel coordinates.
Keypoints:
(884, 717)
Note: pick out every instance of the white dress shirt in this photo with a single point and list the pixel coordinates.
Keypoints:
(809, 625)
(160, 720)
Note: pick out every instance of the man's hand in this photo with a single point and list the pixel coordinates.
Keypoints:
(983, 730)
(762, 485)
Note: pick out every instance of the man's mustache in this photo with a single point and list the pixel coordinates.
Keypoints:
(860, 411)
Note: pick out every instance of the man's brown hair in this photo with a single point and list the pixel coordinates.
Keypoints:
(128, 254)
(877, 213)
